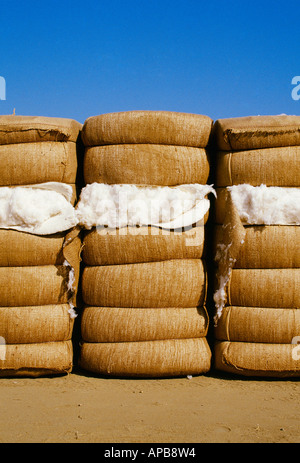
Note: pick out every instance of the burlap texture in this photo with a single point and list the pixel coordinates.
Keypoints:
(264, 288)
(156, 127)
(23, 249)
(33, 286)
(256, 132)
(146, 164)
(174, 357)
(270, 246)
(270, 166)
(258, 324)
(29, 163)
(171, 283)
(24, 325)
(256, 359)
(30, 129)
(114, 324)
(34, 360)
(104, 246)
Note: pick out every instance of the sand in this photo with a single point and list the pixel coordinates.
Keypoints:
(213, 408)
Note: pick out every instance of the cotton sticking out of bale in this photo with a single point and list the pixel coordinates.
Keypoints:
(266, 205)
(39, 209)
(118, 206)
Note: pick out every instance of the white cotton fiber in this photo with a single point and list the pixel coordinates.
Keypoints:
(38, 209)
(264, 205)
(118, 206)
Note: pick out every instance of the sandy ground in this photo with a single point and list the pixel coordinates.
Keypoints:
(213, 408)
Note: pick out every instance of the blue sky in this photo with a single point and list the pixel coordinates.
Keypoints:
(77, 59)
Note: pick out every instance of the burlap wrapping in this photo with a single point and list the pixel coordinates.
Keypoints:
(104, 246)
(114, 324)
(174, 357)
(264, 288)
(40, 359)
(31, 129)
(48, 323)
(156, 127)
(172, 283)
(23, 249)
(271, 246)
(35, 285)
(146, 164)
(270, 166)
(29, 163)
(257, 359)
(256, 132)
(258, 324)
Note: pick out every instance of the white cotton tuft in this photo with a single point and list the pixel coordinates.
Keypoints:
(118, 206)
(38, 209)
(264, 205)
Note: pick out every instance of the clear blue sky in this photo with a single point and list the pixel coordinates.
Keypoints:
(76, 59)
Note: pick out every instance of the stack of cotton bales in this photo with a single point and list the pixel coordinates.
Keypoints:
(39, 244)
(257, 245)
(144, 282)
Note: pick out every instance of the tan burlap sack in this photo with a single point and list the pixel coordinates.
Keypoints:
(23, 249)
(270, 246)
(269, 166)
(174, 357)
(256, 132)
(104, 246)
(35, 285)
(30, 163)
(146, 164)
(257, 359)
(114, 324)
(219, 207)
(30, 129)
(20, 249)
(34, 360)
(258, 324)
(171, 283)
(47, 323)
(158, 127)
(264, 288)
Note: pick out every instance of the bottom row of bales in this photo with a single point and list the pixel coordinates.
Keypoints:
(144, 302)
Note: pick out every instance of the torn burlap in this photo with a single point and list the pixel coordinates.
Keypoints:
(256, 132)
(227, 252)
(173, 357)
(31, 129)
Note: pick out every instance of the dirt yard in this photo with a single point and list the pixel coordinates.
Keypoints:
(213, 408)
